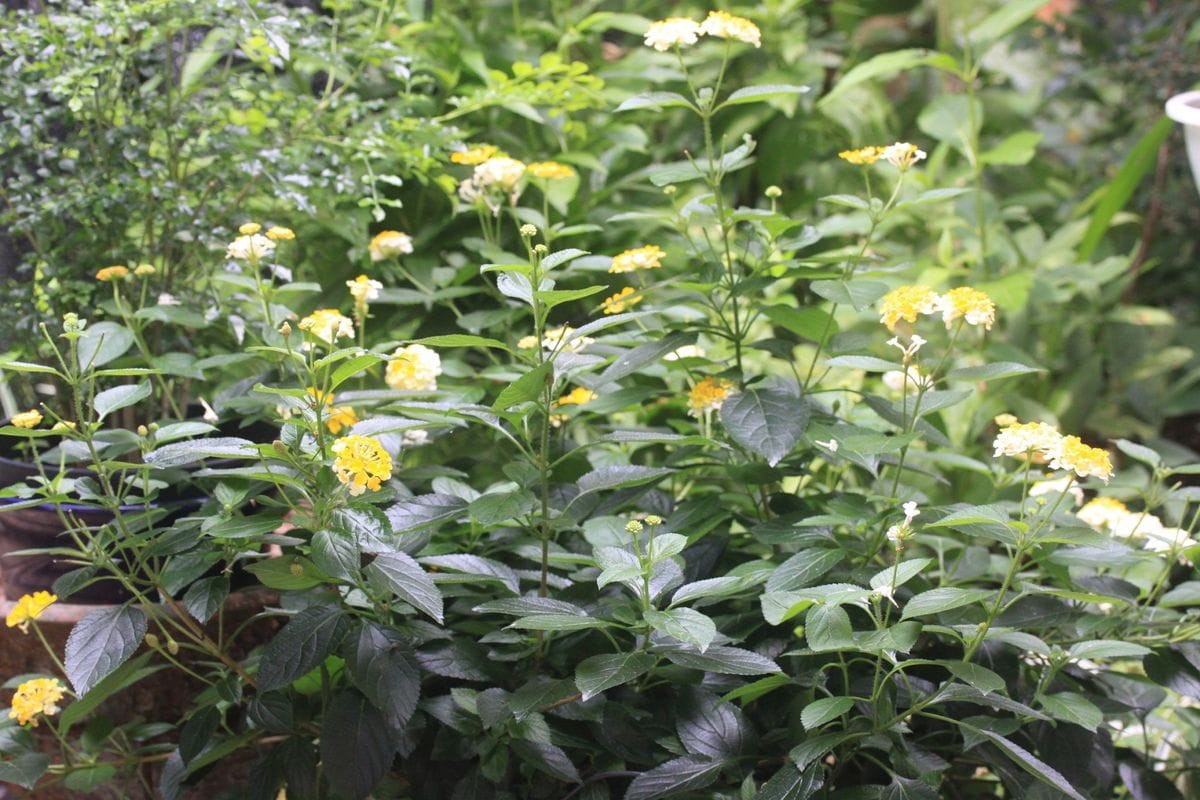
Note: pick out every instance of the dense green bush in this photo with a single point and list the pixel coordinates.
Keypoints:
(642, 421)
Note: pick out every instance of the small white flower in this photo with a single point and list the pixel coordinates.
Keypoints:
(687, 351)
(254, 247)
(667, 33)
(831, 445)
(209, 414)
(1057, 487)
(910, 512)
(167, 299)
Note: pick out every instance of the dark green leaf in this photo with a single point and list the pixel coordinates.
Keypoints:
(477, 566)
(356, 747)
(24, 769)
(790, 783)
(674, 777)
(708, 726)
(103, 342)
(725, 660)
(803, 569)
(300, 646)
(383, 667)
(768, 422)
(631, 361)
(1029, 762)
(827, 627)
(818, 712)
(400, 574)
(595, 674)
(546, 757)
(206, 596)
(685, 625)
(101, 642)
(526, 388)
(119, 397)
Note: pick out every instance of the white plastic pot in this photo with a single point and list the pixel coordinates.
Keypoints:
(1185, 109)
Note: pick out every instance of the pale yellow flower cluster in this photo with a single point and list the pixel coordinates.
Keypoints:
(550, 170)
(363, 290)
(620, 301)
(708, 395)
(648, 257)
(113, 273)
(29, 608)
(576, 397)
(476, 154)
(554, 338)
(361, 463)
(499, 174)
(414, 368)
(328, 325)
(336, 418)
(901, 155)
(34, 697)
(389, 244)
(27, 419)
(1110, 514)
(681, 31)
(1043, 443)
(250, 247)
(966, 303)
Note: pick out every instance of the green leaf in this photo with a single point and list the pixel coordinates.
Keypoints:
(201, 59)
(981, 678)
(1016, 149)
(768, 422)
(595, 674)
(206, 596)
(121, 678)
(494, 508)
(677, 776)
(755, 94)
(1074, 708)
(804, 569)
(847, 201)
(101, 642)
(556, 297)
(103, 342)
(426, 509)
(1008, 16)
(356, 747)
(887, 64)
(812, 324)
(936, 601)
(88, 778)
(819, 712)
(684, 624)
(827, 627)
(463, 340)
(336, 554)
(631, 361)
(655, 100)
(1141, 159)
(1138, 452)
(352, 367)
(182, 453)
(1029, 762)
(398, 573)
(790, 783)
(300, 646)
(1185, 594)
(560, 257)
(725, 660)
(24, 769)
(526, 388)
(709, 726)
(476, 566)
(664, 546)
(558, 622)
(286, 572)
(548, 758)
(709, 587)
(900, 574)
(865, 363)
(857, 292)
(119, 397)
(931, 196)
(991, 372)
(382, 665)
(607, 478)
(1107, 648)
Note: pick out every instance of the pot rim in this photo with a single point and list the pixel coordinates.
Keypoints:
(1185, 108)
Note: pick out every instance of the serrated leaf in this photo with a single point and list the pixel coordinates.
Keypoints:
(548, 758)
(991, 372)
(631, 361)
(400, 574)
(755, 94)
(709, 726)
(595, 674)
(1030, 763)
(709, 587)
(558, 622)
(1107, 648)
(101, 642)
(495, 508)
(684, 624)
(768, 422)
(725, 660)
(426, 509)
(674, 777)
(356, 747)
(887, 64)
(477, 565)
(827, 627)
(180, 454)
(462, 340)
(382, 665)
(789, 783)
(606, 478)
(654, 100)
(1075, 708)
(525, 389)
(103, 342)
(206, 596)
(942, 599)
(300, 646)
(803, 569)
(975, 675)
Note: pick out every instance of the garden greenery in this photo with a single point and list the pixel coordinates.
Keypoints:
(622, 477)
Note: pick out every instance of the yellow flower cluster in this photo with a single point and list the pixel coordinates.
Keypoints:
(965, 303)
(1108, 513)
(249, 228)
(576, 397)
(497, 174)
(906, 303)
(328, 325)
(388, 244)
(648, 257)
(277, 233)
(361, 463)
(27, 419)
(901, 155)
(363, 290)
(1103, 512)
(621, 301)
(1043, 443)
(550, 170)
(250, 247)
(414, 368)
(708, 395)
(681, 31)
(29, 608)
(33, 697)
(113, 273)
(553, 338)
(474, 155)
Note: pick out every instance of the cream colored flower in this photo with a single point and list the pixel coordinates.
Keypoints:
(501, 171)
(724, 25)
(1072, 454)
(1029, 438)
(27, 419)
(687, 351)
(252, 247)
(1055, 488)
(672, 32)
(903, 155)
(1103, 512)
(648, 257)
(363, 290)
(414, 368)
(388, 244)
(328, 325)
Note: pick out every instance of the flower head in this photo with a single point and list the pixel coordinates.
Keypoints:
(388, 244)
(554, 338)
(1103, 512)
(902, 155)
(114, 273)
(36, 696)
(363, 290)
(905, 303)
(414, 368)
(27, 419)
(724, 25)
(687, 351)
(328, 325)
(252, 247)
(144, 270)
(476, 154)
(1027, 439)
(277, 233)
(361, 463)
(672, 32)
(550, 170)
(969, 304)
(648, 257)
(863, 155)
(29, 608)
(909, 381)
(576, 397)
(249, 228)
(340, 418)
(499, 171)
(1084, 460)
(708, 395)
(621, 301)
(1057, 487)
